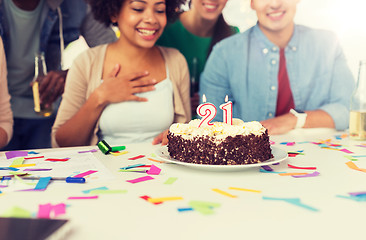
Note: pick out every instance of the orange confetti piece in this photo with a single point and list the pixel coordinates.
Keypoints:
(154, 160)
(353, 166)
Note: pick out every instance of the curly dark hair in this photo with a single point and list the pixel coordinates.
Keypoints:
(103, 10)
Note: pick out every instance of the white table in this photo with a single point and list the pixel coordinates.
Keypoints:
(249, 216)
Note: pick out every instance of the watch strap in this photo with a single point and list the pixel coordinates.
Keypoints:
(301, 118)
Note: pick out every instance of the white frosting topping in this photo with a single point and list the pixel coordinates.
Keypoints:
(219, 130)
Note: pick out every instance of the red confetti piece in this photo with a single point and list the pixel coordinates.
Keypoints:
(147, 198)
(292, 154)
(57, 159)
(33, 157)
(309, 168)
(137, 157)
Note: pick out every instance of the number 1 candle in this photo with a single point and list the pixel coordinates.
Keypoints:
(207, 112)
(227, 108)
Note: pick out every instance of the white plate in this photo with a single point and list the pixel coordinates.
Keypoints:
(278, 156)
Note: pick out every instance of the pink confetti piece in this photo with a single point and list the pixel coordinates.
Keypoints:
(81, 198)
(13, 154)
(314, 174)
(361, 146)
(147, 199)
(290, 144)
(295, 167)
(154, 170)
(44, 210)
(137, 157)
(345, 150)
(59, 209)
(272, 142)
(140, 179)
(85, 174)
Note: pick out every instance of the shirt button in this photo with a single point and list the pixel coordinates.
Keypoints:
(274, 49)
(294, 49)
(273, 88)
(270, 114)
(265, 50)
(273, 62)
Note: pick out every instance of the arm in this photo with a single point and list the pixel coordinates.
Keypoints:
(6, 115)
(284, 123)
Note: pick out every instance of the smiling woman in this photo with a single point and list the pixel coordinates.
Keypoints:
(145, 88)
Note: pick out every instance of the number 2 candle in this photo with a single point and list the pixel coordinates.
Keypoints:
(207, 112)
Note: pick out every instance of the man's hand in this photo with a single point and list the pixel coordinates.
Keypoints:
(281, 124)
(52, 86)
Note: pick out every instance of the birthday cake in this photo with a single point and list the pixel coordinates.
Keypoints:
(219, 144)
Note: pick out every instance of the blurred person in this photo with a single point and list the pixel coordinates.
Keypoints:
(6, 115)
(144, 88)
(285, 75)
(31, 26)
(194, 34)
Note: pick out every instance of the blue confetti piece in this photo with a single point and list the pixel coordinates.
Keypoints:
(42, 183)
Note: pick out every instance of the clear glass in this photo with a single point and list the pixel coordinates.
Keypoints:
(40, 71)
(357, 123)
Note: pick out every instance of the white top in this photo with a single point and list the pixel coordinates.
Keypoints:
(132, 122)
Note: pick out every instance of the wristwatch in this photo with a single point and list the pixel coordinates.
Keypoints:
(301, 117)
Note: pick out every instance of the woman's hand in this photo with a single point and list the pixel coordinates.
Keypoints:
(161, 138)
(123, 88)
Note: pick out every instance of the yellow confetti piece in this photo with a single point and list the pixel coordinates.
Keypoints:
(23, 165)
(223, 193)
(119, 153)
(245, 189)
(291, 174)
(163, 199)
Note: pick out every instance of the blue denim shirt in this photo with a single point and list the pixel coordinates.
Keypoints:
(245, 67)
(77, 20)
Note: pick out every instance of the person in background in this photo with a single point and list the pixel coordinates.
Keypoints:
(31, 26)
(285, 75)
(144, 88)
(6, 115)
(194, 34)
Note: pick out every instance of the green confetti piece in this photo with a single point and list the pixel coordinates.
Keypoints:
(17, 212)
(171, 180)
(18, 161)
(153, 155)
(206, 208)
(350, 158)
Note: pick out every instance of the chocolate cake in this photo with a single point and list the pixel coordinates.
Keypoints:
(219, 144)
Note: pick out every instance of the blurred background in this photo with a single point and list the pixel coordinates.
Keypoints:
(345, 17)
